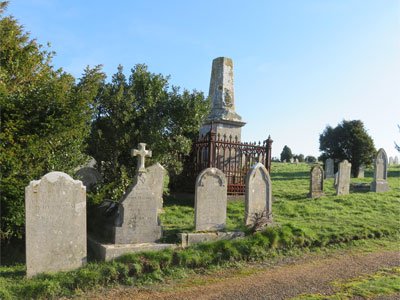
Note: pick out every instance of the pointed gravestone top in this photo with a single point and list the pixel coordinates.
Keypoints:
(142, 153)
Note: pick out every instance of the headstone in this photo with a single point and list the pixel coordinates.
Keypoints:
(291, 160)
(336, 179)
(55, 211)
(210, 200)
(222, 94)
(391, 162)
(316, 182)
(89, 177)
(380, 173)
(285, 161)
(258, 193)
(396, 160)
(296, 161)
(137, 220)
(156, 176)
(361, 171)
(343, 182)
(329, 169)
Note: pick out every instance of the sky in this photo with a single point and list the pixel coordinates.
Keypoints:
(299, 65)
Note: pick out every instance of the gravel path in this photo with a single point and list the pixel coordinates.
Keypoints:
(309, 275)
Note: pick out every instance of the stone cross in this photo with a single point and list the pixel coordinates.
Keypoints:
(142, 153)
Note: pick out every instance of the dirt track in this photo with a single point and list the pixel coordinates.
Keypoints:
(310, 274)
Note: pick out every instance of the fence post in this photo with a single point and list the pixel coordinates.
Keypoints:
(211, 146)
(268, 158)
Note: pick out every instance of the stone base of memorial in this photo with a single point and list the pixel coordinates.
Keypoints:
(191, 238)
(379, 186)
(108, 251)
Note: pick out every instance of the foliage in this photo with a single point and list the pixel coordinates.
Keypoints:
(142, 109)
(310, 159)
(286, 154)
(45, 119)
(300, 157)
(349, 140)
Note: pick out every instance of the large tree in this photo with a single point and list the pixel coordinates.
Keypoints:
(45, 118)
(286, 153)
(142, 109)
(348, 140)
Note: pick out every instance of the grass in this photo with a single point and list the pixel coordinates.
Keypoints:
(306, 224)
(382, 283)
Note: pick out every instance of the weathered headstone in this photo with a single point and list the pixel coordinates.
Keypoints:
(380, 173)
(155, 177)
(291, 160)
(210, 200)
(89, 177)
(137, 220)
(391, 161)
(343, 182)
(329, 169)
(55, 211)
(361, 171)
(258, 194)
(316, 182)
(396, 160)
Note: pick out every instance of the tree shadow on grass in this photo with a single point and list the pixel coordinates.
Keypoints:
(181, 199)
(289, 176)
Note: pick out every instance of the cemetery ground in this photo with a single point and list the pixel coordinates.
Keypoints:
(310, 227)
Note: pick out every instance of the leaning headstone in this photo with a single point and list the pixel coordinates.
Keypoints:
(329, 171)
(156, 175)
(89, 177)
(343, 181)
(210, 200)
(391, 161)
(380, 173)
(316, 182)
(55, 211)
(258, 194)
(396, 160)
(361, 171)
(137, 220)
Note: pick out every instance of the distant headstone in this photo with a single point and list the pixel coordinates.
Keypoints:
(156, 175)
(89, 177)
(258, 194)
(329, 170)
(55, 211)
(343, 181)
(361, 171)
(380, 173)
(391, 161)
(285, 161)
(316, 182)
(210, 200)
(291, 160)
(396, 160)
(336, 179)
(137, 220)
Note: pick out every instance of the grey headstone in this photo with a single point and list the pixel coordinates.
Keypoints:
(258, 193)
(316, 182)
(380, 173)
(291, 160)
(343, 182)
(55, 211)
(336, 179)
(137, 220)
(155, 176)
(391, 161)
(285, 161)
(396, 160)
(210, 200)
(361, 171)
(329, 170)
(89, 176)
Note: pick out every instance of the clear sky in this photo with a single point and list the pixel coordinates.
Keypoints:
(299, 65)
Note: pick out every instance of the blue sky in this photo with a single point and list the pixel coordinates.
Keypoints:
(299, 65)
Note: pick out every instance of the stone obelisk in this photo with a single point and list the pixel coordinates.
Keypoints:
(222, 93)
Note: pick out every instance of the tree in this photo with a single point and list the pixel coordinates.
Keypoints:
(286, 153)
(142, 109)
(349, 140)
(310, 159)
(45, 119)
(300, 157)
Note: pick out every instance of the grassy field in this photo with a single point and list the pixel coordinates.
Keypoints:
(305, 224)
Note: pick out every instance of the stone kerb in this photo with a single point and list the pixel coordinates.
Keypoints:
(258, 193)
(55, 212)
(380, 172)
(210, 200)
(316, 182)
